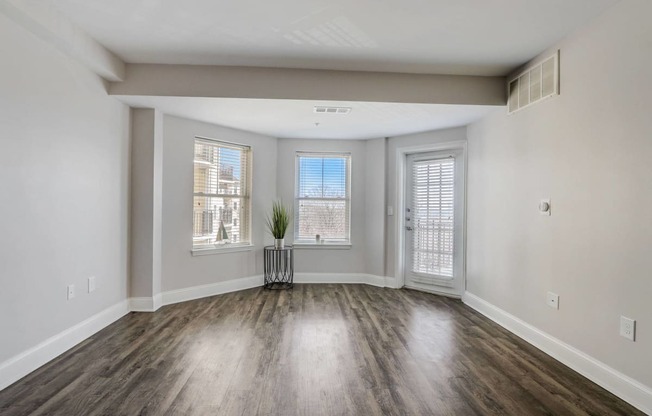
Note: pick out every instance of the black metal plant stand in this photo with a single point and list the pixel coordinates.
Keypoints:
(278, 267)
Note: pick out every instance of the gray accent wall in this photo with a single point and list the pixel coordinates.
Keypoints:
(180, 268)
(589, 150)
(64, 180)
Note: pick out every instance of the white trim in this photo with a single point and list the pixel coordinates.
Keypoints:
(24, 363)
(434, 291)
(314, 246)
(141, 304)
(218, 142)
(625, 387)
(158, 301)
(234, 285)
(221, 250)
(400, 166)
(345, 278)
(203, 291)
(146, 304)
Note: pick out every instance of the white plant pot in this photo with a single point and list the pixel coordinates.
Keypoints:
(279, 243)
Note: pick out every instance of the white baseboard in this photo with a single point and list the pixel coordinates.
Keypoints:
(24, 363)
(345, 278)
(203, 291)
(625, 387)
(145, 304)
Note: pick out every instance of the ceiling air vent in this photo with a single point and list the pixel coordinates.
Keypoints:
(534, 84)
(332, 110)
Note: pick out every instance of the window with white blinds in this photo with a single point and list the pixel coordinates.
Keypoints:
(221, 199)
(433, 192)
(322, 199)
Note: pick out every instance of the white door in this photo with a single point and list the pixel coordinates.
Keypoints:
(434, 222)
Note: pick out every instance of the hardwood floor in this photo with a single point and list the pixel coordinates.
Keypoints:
(315, 350)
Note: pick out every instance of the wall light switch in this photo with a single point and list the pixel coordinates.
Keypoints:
(71, 291)
(390, 211)
(91, 284)
(553, 300)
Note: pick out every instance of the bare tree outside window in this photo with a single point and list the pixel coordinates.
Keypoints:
(323, 197)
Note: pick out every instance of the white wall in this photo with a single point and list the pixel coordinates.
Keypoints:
(393, 144)
(590, 151)
(180, 269)
(64, 176)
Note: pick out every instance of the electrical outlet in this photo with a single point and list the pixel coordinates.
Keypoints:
(628, 328)
(71, 291)
(553, 300)
(390, 211)
(91, 284)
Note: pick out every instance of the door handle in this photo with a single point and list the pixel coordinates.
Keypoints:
(408, 228)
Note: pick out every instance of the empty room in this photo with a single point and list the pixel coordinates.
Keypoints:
(418, 207)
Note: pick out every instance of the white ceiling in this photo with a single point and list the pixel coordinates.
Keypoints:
(466, 37)
(477, 37)
(296, 119)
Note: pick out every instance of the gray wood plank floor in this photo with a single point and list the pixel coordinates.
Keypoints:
(315, 350)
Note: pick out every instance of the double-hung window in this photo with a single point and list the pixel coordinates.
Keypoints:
(221, 199)
(322, 198)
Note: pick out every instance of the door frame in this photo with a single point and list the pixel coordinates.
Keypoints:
(401, 175)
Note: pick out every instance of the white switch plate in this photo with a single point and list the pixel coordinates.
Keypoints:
(628, 328)
(71, 291)
(553, 300)
(91, 284)
(390, 211)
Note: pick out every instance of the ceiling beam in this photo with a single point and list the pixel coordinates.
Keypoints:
(48, 24)
(308, 84)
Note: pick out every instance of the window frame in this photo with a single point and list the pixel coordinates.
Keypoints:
(331, 243)
(244, 201)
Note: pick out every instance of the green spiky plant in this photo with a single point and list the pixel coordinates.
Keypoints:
(279, 221)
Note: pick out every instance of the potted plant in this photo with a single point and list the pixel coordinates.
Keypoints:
(278, 223)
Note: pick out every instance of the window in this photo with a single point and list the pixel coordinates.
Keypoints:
(322, 198)
(221, 200)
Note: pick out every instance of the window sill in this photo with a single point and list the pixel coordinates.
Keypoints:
(323, 246)
(220, 250)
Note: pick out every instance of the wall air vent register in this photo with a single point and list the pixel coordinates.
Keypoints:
(331, 110)
(535, 84)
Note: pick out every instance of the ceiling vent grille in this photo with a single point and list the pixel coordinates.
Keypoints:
(534, 84)
(331, 110)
